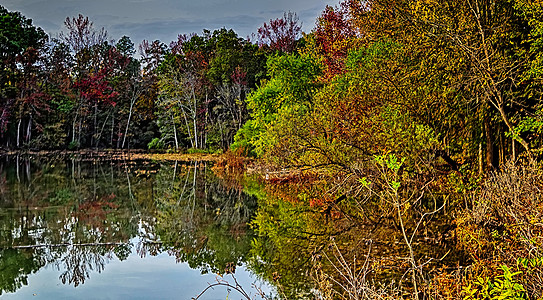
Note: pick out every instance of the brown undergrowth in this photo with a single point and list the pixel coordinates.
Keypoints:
(233, 162)
(501, 231)
(232, 166)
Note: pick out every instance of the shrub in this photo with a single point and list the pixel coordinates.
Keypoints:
(504, 227)
(156, 143)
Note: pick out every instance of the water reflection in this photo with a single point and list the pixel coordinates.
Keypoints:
(78, 216)
(205, 227)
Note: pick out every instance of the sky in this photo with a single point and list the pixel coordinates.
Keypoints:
(164, 20)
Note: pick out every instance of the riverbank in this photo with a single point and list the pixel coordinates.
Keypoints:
(105, 154)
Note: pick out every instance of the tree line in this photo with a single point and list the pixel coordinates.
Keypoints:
(82, 89)
(459, 80)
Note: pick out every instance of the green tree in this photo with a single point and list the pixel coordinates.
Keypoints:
(203, 82)
(20, 42)
(280, 104)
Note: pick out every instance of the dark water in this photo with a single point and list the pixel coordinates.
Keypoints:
(73, 228)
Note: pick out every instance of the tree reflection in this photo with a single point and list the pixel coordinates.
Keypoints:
(78, 262)
(79, 215)
(201, 221)
(15, 265)
(74, 215)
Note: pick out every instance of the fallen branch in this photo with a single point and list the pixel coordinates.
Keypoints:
(67, 245)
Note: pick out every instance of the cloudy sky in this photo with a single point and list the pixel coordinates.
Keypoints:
(165, 19)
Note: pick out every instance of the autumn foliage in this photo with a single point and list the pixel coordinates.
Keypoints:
(420, 119)
(405, 105)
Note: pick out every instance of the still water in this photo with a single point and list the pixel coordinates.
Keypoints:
(92, 229)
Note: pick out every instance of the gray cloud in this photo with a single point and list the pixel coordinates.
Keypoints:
(165, 19)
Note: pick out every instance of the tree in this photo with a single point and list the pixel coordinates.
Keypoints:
(58, 84)
(108, 85)
(32, 100)
(203, 82)
(180, 97)
(234, 69)
(20, 42)
(334, 35)
(530, 125)
(86, 44)
(492, 41)
(132, 82)
(279, 106)
(82, 34)
(281, 34)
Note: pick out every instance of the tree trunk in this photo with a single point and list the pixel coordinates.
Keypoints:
(18, 132)
(94, 129)
(137, 90)
(73, 125)
(195, 128)
(513, 150)
(99, 137)
(112, 130)
(480, 156)
(128, 121)
(188, 128)
(206, 121)
(175, 134)
(489, 157)
(118, 135)
(29, 130)
(511, 129)
(79, 133)
(501, 149)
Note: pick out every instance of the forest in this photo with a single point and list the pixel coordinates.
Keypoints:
(399, 143)
(81, 89)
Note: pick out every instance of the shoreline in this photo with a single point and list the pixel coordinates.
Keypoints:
(113, 155)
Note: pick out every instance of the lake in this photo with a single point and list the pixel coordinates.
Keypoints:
(101, 229)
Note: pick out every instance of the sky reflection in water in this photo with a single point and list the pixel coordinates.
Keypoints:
(152, 277)
(105, 210)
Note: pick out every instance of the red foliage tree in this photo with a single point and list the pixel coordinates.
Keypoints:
(97, 89)
(152, 55)
(335, 35)
(281, 34)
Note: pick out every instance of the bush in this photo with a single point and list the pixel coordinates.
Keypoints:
(233, 161)
(245, 138)
(156, 143)
(73, 145)
(504, 227)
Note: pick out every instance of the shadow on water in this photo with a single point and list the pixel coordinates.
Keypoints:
(312, 247)
(78, 216)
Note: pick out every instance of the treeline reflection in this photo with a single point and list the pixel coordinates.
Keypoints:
(79, 215)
